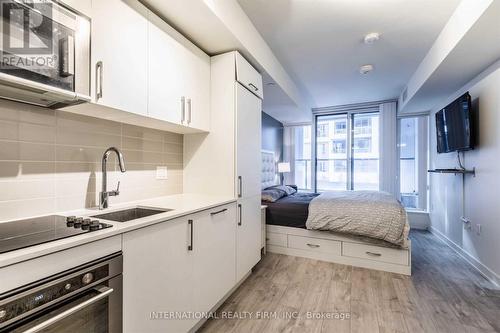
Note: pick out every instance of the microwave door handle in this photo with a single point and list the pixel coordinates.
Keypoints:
(103, 293)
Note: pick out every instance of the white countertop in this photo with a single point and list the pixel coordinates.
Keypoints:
(181, 205)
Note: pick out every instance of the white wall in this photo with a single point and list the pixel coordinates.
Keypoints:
(481, 193)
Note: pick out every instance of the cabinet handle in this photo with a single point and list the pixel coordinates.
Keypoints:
(183, 109)
(240, 186)
(313, 245)
(253, 86)
(373, 254)
(239, 214)
(218, 212)
(189, 110)
(190, 246)
(98, 80)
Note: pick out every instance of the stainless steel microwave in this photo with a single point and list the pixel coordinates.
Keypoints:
(45, 53)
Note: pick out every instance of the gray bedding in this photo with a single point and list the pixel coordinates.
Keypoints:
(363, 213)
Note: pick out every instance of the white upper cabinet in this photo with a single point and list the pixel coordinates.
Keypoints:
(248, 76)
(119, 55)
(164, 73)
(178, 77)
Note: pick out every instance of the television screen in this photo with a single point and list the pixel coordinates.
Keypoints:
(454, 126)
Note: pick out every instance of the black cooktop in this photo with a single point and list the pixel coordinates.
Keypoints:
(23, 233)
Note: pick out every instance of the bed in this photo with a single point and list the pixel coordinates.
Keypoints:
(289, 223)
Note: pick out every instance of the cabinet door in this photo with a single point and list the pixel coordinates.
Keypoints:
(166, 85)
(197, 75)
(248, 76)
(157, 277)
(214, 246)
(248, 233)
(119, 44)
(248, 132)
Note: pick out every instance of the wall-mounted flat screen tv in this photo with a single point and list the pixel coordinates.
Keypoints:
(454, 126)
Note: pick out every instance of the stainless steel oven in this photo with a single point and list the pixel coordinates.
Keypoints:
(86, 299)
(45, 53)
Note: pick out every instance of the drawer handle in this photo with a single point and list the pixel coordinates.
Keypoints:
(373, 254)
(267, 239)
(313, 245)
(218, 212)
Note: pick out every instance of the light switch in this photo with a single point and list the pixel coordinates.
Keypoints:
(161, 172)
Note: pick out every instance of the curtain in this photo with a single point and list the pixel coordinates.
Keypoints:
(388, 148)
(289, 153)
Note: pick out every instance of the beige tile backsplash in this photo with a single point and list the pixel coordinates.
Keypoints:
(50, 161)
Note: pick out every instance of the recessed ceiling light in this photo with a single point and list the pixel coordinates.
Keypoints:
(365, 69)
(372, 38)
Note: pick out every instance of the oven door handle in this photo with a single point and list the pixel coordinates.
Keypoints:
(103, 293)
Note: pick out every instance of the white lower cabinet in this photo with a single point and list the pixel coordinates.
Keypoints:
(178, 267)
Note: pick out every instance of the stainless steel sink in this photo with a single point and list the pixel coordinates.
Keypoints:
(129, 214)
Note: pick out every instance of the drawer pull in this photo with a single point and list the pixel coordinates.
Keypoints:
(373, 254)
(267, 239)
(218, 212)
(313, 245)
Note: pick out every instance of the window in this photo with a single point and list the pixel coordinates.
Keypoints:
(323, 149)
(323, 166)
(362, 145)
(353, 162)
(413, 150)
(363, 126)
(340, 127)
(322, 130)
(302, 167)
(338, 146)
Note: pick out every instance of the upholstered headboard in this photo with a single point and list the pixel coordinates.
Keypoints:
(269, 176)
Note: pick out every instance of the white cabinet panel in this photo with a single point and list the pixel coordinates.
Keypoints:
(178, 77)
(214, 247)
(247, 235)
(197, 76)
(165, 72)
(119, 43)
(248, 142)
(248, 76)
(158, 276)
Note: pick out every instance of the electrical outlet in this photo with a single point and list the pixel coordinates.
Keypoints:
(161, 172)
(478, 229)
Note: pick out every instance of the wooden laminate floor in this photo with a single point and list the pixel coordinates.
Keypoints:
(291, 294)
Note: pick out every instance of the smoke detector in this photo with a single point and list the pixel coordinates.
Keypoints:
(372, 38)
(365, 69)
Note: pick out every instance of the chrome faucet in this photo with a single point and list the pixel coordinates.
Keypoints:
(104, 195)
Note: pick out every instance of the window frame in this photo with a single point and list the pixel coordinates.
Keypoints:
(349, 132)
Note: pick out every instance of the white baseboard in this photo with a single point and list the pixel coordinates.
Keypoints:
(479, 266)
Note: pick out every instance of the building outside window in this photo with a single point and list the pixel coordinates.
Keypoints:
(339, 146)
(353, 161)
(340, 127)
(323, 130)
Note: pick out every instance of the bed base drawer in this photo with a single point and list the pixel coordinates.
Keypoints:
(273, 238)
(315, 244)
(377, 253)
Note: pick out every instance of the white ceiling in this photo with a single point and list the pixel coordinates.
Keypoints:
(320, 43)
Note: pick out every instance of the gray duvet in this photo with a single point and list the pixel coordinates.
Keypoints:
(364, 213)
